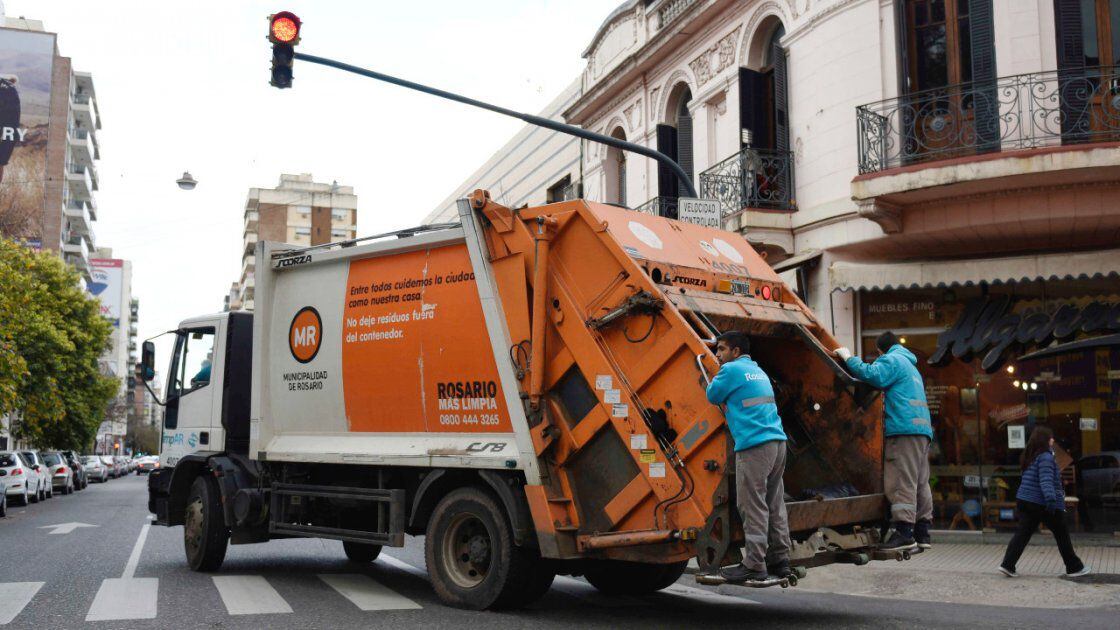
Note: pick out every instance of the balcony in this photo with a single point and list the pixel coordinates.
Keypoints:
(81, 141)
(84, 111)
(660, 206)
(80, 183)
(78, 215)
(752, 179)
(1026, 111)
(76, 252)
(974, 140)
(250, 243)
(251, 218)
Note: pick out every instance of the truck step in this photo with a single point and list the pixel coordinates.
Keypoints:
(389, 528)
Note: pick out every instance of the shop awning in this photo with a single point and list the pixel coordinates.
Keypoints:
(956, 273)
(796, 261)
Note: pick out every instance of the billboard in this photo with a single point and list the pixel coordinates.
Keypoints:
(105, 284)
(26, 67)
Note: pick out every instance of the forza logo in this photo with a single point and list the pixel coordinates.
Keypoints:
(294, 260)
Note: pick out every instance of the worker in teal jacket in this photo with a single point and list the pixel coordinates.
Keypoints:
(760, 459)
(908, 434)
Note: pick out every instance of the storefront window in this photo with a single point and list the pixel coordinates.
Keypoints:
(981, 420)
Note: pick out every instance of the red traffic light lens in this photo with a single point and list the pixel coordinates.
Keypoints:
(284, 28)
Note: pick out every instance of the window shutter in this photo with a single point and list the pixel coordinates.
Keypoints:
(684, 148)
(622, 180)
(667, 144)
(1071, 69)
(752, 106)
(781, 108)
(985, 100)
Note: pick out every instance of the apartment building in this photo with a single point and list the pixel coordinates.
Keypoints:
(299, 211)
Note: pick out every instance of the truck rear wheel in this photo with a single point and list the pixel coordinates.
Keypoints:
(472, 560)
(360, 552)
(616, 577)
(205, 536)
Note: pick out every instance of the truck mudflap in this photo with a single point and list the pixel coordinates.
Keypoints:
(159, 491)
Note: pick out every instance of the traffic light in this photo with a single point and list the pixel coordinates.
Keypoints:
(283, 32)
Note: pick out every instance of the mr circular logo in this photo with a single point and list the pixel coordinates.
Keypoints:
(305, 334)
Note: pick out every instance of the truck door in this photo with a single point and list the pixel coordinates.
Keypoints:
(192, 385)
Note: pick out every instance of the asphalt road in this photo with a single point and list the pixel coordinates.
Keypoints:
(130, 574)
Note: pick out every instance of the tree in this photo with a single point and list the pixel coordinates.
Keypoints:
(51, 336)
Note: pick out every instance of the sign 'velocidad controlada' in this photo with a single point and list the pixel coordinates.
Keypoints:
(986, 327)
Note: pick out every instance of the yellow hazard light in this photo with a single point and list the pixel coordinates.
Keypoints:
(723, 286)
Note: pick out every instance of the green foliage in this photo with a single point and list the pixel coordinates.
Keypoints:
(51, 336)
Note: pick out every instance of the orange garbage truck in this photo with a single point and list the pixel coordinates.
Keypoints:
(525, 388)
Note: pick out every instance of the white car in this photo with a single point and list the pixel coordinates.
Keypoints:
(62, 476)
(35, 461)
(21, 483)
(95, 469)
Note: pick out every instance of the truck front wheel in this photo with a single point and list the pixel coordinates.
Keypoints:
(205, 536)
(471, 558)
(616, 577)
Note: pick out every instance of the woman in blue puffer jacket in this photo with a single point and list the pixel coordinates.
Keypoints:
(1041, 500)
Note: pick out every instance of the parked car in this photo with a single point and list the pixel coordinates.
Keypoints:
(96, 470)
(122, 465)
(21, 483)
(75, 461)
(1100, 476)
(3, 504)
(131, 462)
(146, 465)
(35, 460)
(112, 465)
(62, 476)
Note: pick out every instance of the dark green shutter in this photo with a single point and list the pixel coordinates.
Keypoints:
(666, 178)
(985, 100)
(684, 147)
(1072, 88)
(752, 103)
(781, 107)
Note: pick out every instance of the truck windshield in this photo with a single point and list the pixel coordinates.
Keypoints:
(193, 363)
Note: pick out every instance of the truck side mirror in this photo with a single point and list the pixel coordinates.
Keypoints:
(148, 361)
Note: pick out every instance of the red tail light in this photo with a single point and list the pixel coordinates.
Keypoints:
(765, 292)
(61, 469)
(18, 471)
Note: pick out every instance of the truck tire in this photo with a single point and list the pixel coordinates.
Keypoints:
(205, 536)
(471, 558)
(616, 577)
(360, 552)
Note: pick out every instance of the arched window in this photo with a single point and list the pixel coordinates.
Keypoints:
(614, 170)
(763, 100)
(674, 138)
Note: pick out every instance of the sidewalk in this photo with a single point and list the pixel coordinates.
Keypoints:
(968, 574)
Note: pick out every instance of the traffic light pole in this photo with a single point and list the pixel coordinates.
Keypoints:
(539, 121)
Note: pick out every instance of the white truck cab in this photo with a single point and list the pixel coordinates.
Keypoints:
(207, 385)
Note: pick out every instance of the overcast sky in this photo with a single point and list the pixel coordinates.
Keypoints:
(184, 86)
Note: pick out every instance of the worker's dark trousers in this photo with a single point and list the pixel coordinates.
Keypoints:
(760, 494)
(906, 478)
(1030, 515)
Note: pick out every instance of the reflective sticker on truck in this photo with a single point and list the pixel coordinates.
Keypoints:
(416, 356)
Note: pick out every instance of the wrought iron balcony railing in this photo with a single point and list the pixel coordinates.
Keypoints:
(752, 178)
(1025, 111)
(660, 206)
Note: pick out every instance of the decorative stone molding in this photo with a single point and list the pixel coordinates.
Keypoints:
(715, 59)
(784, 11)
(679, 76)
(633, 115)
(887, 215)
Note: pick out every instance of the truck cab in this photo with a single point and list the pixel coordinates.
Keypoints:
(208, 386)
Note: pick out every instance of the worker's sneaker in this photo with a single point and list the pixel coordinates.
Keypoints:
(1008, 572)
(901, 539)
(921, 535)
(1084, 571)
(740, 573)
(780, 569)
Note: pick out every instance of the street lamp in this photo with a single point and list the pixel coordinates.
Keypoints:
(186, 182)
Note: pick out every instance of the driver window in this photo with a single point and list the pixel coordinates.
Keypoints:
(194, 361)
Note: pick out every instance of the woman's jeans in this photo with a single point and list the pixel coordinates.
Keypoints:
(1030, 515)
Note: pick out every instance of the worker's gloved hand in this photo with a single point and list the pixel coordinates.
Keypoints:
(843, 353)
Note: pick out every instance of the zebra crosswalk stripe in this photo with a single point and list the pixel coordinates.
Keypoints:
(125, 598)
(249, 595)
(367, 594)
(14, 596)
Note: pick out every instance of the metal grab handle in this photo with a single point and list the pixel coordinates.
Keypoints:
(703, 370)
